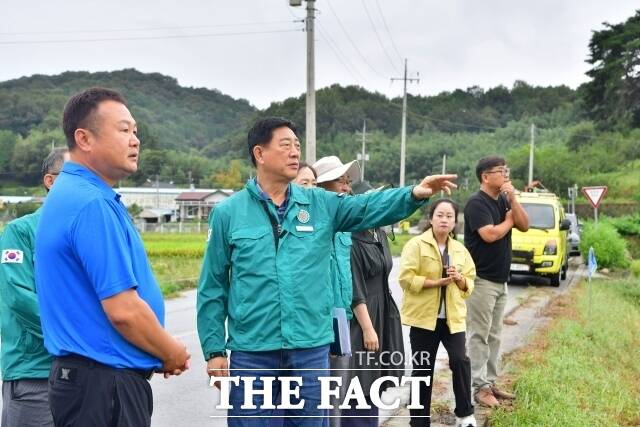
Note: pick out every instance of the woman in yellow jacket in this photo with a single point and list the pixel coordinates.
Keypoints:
(436, 274)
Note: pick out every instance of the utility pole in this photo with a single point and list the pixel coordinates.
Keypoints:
(403, 132)
(444, 170)
(310, 155)
(157, 191)
(363, 157)
(531, 148)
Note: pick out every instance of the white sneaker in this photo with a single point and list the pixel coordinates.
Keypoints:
(468, 421)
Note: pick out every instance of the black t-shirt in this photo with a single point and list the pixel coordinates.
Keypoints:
(493, 260)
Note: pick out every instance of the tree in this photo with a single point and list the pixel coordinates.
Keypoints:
(8, 141)
(612, 97)
(582, 135)
(29, 153)
(230, 177)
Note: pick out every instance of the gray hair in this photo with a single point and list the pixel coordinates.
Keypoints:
(54, 161)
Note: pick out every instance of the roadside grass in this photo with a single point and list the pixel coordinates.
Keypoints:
(175, 274)
(633, 244)
(583, 368)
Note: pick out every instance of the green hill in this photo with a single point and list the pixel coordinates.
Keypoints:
(199, 135)
(176, 117)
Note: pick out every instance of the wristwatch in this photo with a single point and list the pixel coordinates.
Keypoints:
(222, 353)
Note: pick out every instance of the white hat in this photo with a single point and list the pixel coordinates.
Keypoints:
(330, 168)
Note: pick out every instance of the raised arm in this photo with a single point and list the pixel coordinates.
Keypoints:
(519, 215)
(382, 208)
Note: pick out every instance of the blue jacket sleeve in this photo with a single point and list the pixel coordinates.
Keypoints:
(17, 281)
(373, 210)
(213, 286)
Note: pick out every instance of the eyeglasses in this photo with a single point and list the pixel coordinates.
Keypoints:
(502, 171)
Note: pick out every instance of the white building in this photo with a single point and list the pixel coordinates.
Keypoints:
(152, 200)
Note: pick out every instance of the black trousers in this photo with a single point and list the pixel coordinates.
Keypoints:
(83, 392)
(423, 340)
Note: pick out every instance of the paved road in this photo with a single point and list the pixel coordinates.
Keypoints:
(189, 401)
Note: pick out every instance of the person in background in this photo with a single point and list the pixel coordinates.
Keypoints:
(377, 330)
(102, 310)
(436, 274)
(337, 177)
(489, 216)
(25, 361)
(307, 176)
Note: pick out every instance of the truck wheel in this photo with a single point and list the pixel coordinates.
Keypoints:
(563, 272)
(555, 279)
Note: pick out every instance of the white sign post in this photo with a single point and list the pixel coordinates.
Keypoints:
(595, 195)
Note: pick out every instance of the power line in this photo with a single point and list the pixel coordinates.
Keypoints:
(364, 59)
(339, 54)
(386, 27)
(117, 30)
(375, 30)
(177, 36)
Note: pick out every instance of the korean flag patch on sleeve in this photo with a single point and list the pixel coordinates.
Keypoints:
(12, 256)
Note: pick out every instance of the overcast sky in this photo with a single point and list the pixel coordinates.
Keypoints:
(255, 49)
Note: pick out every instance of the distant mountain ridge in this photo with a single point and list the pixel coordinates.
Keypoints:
(178, 117)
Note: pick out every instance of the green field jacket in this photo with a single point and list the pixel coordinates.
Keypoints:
(22, 351)
(276, 293)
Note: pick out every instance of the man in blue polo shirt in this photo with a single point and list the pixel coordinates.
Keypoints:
(102, 311)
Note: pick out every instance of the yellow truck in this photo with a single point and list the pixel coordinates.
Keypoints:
(542, 250)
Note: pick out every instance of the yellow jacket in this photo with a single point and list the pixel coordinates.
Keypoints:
(421, 260)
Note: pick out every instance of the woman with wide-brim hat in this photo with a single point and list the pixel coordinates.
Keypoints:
(333, 175)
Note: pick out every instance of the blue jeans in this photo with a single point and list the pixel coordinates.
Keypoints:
(278, 363)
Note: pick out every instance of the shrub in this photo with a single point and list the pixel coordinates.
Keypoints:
(609, 246)
(628, 225)
(635, 268)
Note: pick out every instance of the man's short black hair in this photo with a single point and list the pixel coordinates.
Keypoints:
(262, 132)
(488, 163)
(80, 109)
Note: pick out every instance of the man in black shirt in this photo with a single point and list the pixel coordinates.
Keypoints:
(489, 216)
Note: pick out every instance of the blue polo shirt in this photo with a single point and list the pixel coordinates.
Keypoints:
(282, 209)
(87, 250)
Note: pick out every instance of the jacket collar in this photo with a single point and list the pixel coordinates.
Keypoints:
(430, 239)
(297, 194)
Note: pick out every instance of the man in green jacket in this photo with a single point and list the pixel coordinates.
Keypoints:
(266, 272)
(25, 361)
